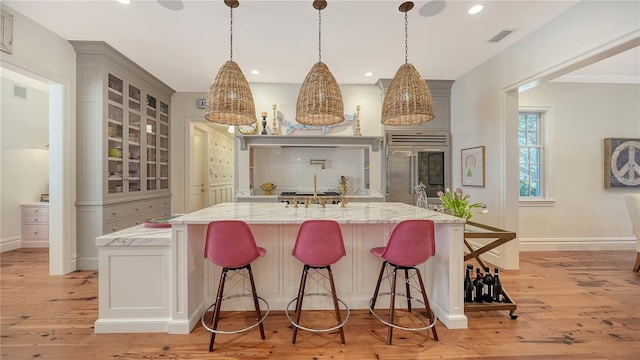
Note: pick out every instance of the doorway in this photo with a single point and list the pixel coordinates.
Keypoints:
(197, 173)
(60, 174)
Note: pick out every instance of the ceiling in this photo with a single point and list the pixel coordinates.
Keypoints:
(184, 43)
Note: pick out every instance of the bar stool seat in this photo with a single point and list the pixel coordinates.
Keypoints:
(411, 243)
(231, 245)
(319, 244)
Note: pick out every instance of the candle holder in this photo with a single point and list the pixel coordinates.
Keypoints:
(274, 127)
(264, 123)
(358, 132)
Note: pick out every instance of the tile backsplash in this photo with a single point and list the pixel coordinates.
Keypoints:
(291, 168)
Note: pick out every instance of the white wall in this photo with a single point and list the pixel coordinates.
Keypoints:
(183, 111)
(285, 97)
(183, 117)
(582, 116)
(39, 53)
(25, 155)
(485, 100)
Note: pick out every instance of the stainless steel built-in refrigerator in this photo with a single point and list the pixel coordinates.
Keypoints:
(414, 157)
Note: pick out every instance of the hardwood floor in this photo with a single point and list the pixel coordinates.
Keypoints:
(571, 305)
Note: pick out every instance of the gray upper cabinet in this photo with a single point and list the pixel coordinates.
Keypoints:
(441, 93)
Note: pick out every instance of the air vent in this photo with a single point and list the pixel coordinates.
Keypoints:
(433, 138)
(19, 91)
(501, 35)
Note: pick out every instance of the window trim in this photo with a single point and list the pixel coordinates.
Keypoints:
(546, 116)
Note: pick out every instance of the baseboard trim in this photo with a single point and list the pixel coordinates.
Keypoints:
(35, 243)
(10, 243)
(87, 263)
(577, 244)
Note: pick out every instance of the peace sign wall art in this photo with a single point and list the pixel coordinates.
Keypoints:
(621, 163)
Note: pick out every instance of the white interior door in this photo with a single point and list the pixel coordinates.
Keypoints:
(196, 176)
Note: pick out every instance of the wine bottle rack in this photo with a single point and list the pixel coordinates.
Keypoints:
(480, 231)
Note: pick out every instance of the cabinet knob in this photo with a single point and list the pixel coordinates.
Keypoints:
(113, 229)
(35, 211)
(35, 219)
(114, 213)
(137, 222)
(35, 232)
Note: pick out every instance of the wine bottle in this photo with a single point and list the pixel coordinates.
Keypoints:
(497, 286)
(468, 285)
(488, 286)
(478, 285)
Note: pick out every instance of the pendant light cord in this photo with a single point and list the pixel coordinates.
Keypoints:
(231, 32)
(406, 38)
(319, 35)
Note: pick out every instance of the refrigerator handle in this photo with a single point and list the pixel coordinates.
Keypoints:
(412, 163)
(387, 165)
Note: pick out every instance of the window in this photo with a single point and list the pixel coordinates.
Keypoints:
(531, 161)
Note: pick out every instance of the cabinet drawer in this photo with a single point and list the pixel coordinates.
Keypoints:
(35, 232)
(157, 214)
(35, 210)
(113, 226)
(117, 212)
(153, 206)
(35, 219)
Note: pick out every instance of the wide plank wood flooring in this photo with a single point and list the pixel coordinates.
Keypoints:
(571, 305)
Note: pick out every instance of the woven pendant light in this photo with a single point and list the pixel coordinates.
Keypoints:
(408, 100)
(229, 100)
(319, 100)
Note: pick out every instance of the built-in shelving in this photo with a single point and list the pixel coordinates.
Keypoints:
(123, 130)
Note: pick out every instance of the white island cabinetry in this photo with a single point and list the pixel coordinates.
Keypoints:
(192, 283)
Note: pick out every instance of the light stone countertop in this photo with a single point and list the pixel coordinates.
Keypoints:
(34, 203)
(362, 195)
(138, 235)
(278, 213)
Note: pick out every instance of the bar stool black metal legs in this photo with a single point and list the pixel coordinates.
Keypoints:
(318, 245)
(411, 243)
(230, 244)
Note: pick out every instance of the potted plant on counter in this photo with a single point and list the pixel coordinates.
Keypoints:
(458, 203)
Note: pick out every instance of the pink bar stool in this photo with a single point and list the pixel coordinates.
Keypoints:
(231, 245)
(412, 242)
(319, 244)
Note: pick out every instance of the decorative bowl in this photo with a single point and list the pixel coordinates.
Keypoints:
(268, 187)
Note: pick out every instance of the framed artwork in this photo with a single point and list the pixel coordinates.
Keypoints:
(621, 163)
(473, 166)
(44, 197)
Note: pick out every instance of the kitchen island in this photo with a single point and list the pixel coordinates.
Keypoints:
(275, 225)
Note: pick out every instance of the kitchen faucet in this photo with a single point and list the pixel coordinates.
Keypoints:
(315, 187)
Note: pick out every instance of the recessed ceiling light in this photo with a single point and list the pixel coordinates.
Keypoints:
(369, 73)
(475, 9)
(255, 72)
(126, 2)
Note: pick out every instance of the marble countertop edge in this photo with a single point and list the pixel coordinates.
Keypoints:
(138, 235)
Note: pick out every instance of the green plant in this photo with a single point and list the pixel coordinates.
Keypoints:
(458, 203)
